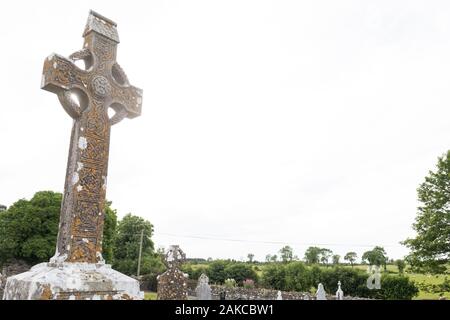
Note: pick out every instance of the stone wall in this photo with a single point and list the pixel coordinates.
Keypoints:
(240, 293)
(11, 268)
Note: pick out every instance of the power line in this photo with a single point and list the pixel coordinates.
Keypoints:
(275, 242)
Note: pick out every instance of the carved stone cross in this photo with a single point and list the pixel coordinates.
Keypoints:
(86, 95)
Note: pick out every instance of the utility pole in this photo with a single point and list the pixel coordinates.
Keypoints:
(140, 253)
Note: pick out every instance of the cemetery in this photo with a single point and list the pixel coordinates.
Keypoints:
(74, 244)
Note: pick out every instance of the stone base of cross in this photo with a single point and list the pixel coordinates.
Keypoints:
(72, 281)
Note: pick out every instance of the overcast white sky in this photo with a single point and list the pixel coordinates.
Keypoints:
(291, 122)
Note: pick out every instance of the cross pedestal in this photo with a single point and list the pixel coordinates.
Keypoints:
(77, 270)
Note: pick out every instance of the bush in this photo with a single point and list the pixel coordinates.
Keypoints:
(248, 283)
(397, 288)
(240, 272)
(230, 283)
(216, 271)
(298, 277)
(274, 277)
(353, 281)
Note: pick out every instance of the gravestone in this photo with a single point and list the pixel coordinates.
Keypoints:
(77, 270)
(320, 294)
(339, 292)
(172, 283)
(279, 296)
(203, 289)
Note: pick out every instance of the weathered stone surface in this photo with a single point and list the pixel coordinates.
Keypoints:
(203, 290)
(320, 294)
(172, 283)
(77, 270)
(101, 86)
(11, 268)
(71, 281)
(241, 293)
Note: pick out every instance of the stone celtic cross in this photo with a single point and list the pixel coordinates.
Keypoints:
(101, 85)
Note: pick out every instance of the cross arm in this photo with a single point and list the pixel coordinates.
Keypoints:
(60, 73)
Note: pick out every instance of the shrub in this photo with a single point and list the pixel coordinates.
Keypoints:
(240, 272)
(274, 277)
(397, 288)
(216, 271)
(353, 281)
(248, 283)
(230, 283)
(298, 277)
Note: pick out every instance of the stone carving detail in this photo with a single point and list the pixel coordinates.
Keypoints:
(85, 189)
(172, 283)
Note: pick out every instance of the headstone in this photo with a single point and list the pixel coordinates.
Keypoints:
(203, 289)
(77, 270)
(223, 295)
(339, 292)
(279, 296)
(172, 283)
(305, 297)
(320, 294)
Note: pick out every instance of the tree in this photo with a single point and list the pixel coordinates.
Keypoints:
(376, 256)
(250, 257)
(274, 276)
(336, 259)
(240, 272)
(351, 257)
(430, 249)
(2, 207)
(29, 228)
(268, 257)
(297, 277)
(126, 246)
(216, 271)
(400, 265)
(312, 255)
(325, 255)
(286, 254)
(274, 258)
(109, 231)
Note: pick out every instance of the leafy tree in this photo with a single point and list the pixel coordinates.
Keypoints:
(109, 231)
(216, 271)
(274, 258)
(312, 255)
(268, 257)
(297, 277)
(400, 265)
(126, 246)
(376, 256)
(274, 276)
(430, 249)
(336, 259)
(29, 228)
(286, 254)
(240, 272)
(250, 257)
(351, 257)
(325, 255)
(2, 207)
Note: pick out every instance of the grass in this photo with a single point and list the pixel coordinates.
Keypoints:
(148, 295)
